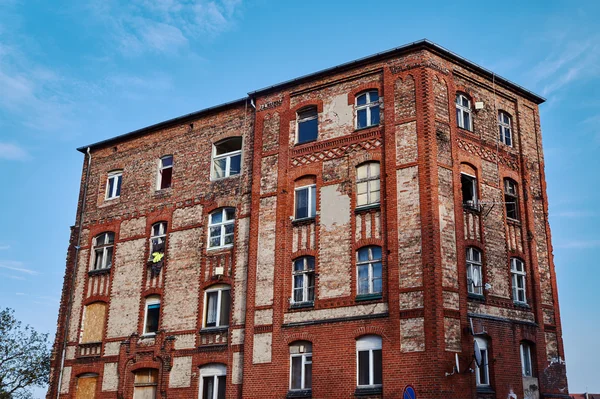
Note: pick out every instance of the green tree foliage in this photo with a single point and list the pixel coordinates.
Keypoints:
(24, 357)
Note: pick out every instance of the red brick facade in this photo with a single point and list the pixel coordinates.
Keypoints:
(422, 312)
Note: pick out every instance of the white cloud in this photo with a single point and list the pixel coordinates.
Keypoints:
(580, 244)
(576, 214)
(16, 266)
(12, 152)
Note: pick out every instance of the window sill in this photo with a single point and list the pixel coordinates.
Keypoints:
(302, 305)
(368, 297)
(305, 142)
(148, 335)
(99, 272)
(513, 221)
(522, 305)
(471, 209)
(367, 208)
(368, 391)
(163, 192)
(223, 248)
(462, 129)
(302, 221)
(213, 330)
(476, 297)
(300, 393)
(218, 179)
(485, 389)
(360, 129)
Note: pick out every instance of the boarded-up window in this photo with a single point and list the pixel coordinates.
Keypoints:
(145, 383)
(86, 387)
(93, 322)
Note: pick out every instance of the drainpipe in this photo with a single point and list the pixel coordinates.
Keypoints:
(77, 247)
(252, 103)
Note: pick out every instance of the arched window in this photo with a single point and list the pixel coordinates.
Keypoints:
(221, 227)
(463, 112)
(482, 372)
(367, 184)
(305, 198)
(212, 381)
(227, 158)
(217, 305)
(300, 366)
(468, 185)
(517, 270)
(367, 109)
(165, 172)
(103, 250)
(504, 124)
(113, 184)
(526, 350)
(308, 125)
(474, 272)
(92, 329)
(145, 382)
(511, 199)
(151, 315)
(368, 265)
(368, 361)
(303, 289)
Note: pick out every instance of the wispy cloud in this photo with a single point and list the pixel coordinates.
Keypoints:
(12, 276)
(16, 266)
(576, 214)
(580, 244)
(12, 152)
(20, 293)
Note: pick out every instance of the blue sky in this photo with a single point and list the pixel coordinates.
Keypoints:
(76, 72)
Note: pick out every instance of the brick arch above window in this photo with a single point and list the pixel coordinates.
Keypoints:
(317, 103)
(469, 169)
(368, 242)
(299, 337)
(305, 180)
(304, 252)
(460, 89)
(364, 88)
(370, 331)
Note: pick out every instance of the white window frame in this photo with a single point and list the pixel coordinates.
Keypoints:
(212, 370)
(104, 247)
(306, 119)
(462, 110)
(117, 176)
(485, 363)
(312, 208)
(227, 156)
(161, 168)
(218, 322)
(369, 105)
(518, 279)
(369, 181)
(505, 126)
(475, 199)
(162, 235)
(222, 226)
(305, 273)
(304, 362)
(368, 343)
(526, 359)
(151, 300)
(472, 265)
(369, 263)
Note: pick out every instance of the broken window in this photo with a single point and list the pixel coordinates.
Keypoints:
(227, 158)
(367, 109)
(113, 184)
(308, 125)
(511, 199)
(304, 280)
(103, 250)
(217, 303)
(145, 382)
(157, 246)
(212, 381)
(504, 124)
(474, 272)
(300, 366)
(367, 184)
(369, 365)
(469, 191)
(152, 315)
(221, 225)
(482, 372)
(517, 269)
(369, 271)
(463, 112)
(526, 363)
(306, 202)
(165, 172)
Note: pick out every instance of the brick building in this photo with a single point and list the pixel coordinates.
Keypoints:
(377, 229)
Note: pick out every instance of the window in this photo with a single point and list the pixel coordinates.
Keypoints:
(308, 125)
(526, 363)
(463, 112)
(367, 109)
(113, 184)
(157, 238)
(165, 172)
(152, 315)
(300, 366)
(469, 191)
(86, 386)
(221, 226)
(92, 330)
(367, 184)
(504, 124)
(368, 264)
(304, 280)
(217, 303)
(482, 373)
(474, 277)
(212, 381)
(511, 199)
(517, 269)
(306, 202)
(103, 250)
(368, 361)
(227, 158)
(145, 382)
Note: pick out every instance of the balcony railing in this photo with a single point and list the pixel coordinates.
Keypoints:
(90, 349)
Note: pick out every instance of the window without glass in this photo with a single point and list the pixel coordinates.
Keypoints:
(304, 280)
(469, 191)
(482, 372)
(157, 238)
(308, 125)
(367, 109)
(368, 361)
(526, 363)
(474, 276)
(103, 250)
(517, 269)
(463, 112)
(212, 381)
(504, 124)
(165, 172)
(145, 382)
(511, 199)
(93, 323)
(367, 184)
(300, 366)
(221, 225)
(306, 202)
(217, 303)
(113, 184)
(152, 315)
(368, 264)
(227, 158)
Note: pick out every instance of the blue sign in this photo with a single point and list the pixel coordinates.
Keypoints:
(409, 393)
